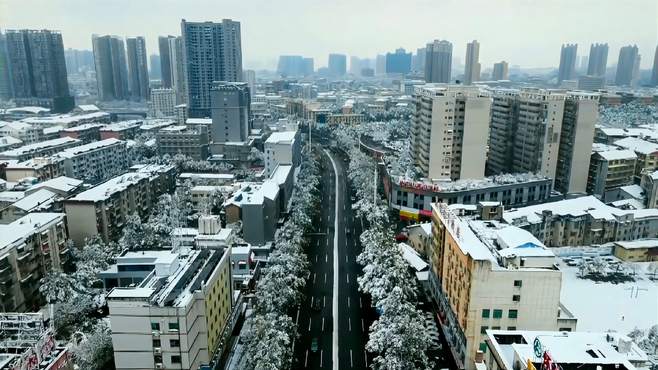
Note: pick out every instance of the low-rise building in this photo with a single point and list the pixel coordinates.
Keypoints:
(643, 250)
(530, 350)
(29, 248)
(583, 221)
(413, 199)
(176, 317)
(487, 275)
(40, 149)
(610, 169)
(103, 209)
(192, 142)
(257, 206)
(647, 154)
(649, 184)
(348, 119)
(68, 120)
(282, 148)
(9, 142)
(42, 200)
(97, 161)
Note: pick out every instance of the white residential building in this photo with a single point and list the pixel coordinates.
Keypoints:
(96, 161)
(449, 131)
(178, 316)
(282, 148)
(162, 103)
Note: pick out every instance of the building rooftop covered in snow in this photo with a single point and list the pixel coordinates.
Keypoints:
(515, 350)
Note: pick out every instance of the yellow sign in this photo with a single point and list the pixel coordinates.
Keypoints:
(530, 366)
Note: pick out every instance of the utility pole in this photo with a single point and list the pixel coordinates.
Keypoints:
(374, 198)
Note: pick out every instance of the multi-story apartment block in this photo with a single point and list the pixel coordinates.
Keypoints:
(41, 168)
(68, 120)
(282, 148)
(103, 209)
(583, 221)
(472, 69)
(87, 132)
(502, 131)
(29, 248)
(97, 161)
(449, 131)
(190, 141)
(177, 317)
(162, 103)
(485, 275)
(200, 40)
(568, 55)
(581, 113)
(40, 149)
(610, 169)
(649, 184)
(500, 71)
(25, 132)
(646, 151)
(123, 130)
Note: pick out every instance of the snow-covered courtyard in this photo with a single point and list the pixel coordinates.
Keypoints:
(601, 306)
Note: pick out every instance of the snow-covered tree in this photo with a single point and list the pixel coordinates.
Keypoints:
(133, 233)
(94, 351)
(269, 342)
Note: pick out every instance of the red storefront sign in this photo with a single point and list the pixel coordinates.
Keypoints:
(414, 185)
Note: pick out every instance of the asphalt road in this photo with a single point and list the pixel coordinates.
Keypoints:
(334, 247)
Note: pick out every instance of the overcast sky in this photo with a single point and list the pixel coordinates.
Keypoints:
(524, 32)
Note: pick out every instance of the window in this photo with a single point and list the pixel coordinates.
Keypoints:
(483, 347)
(485, 313)
(495, 328)
(156, 343)
(483, 329)
(497, 314)
(511, 328)
(173, 326)
(513, 314)
(518, 283)
(175, 359)
(516, 298)
(155, 326)
(174, 343)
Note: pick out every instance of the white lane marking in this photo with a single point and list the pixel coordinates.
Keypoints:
(348, 302)
(334, 312)
(297, 319)
(327, 239)
(310, 320)
(321, 352)
(324, 301)
(306, 359)
(316, 258)
(323, 324)
(363, 327)
(326, 258)
(346, 261)
(365, 357)
(351, 361)
(348, 278)
(349, 324)
(360, 304)
(314, 278)
(325, 278)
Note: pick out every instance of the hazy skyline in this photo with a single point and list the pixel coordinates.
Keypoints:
(507, 29)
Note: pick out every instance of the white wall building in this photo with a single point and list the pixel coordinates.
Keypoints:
(282, 148)
(450, 131)
(96, 161)
(162, 103)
